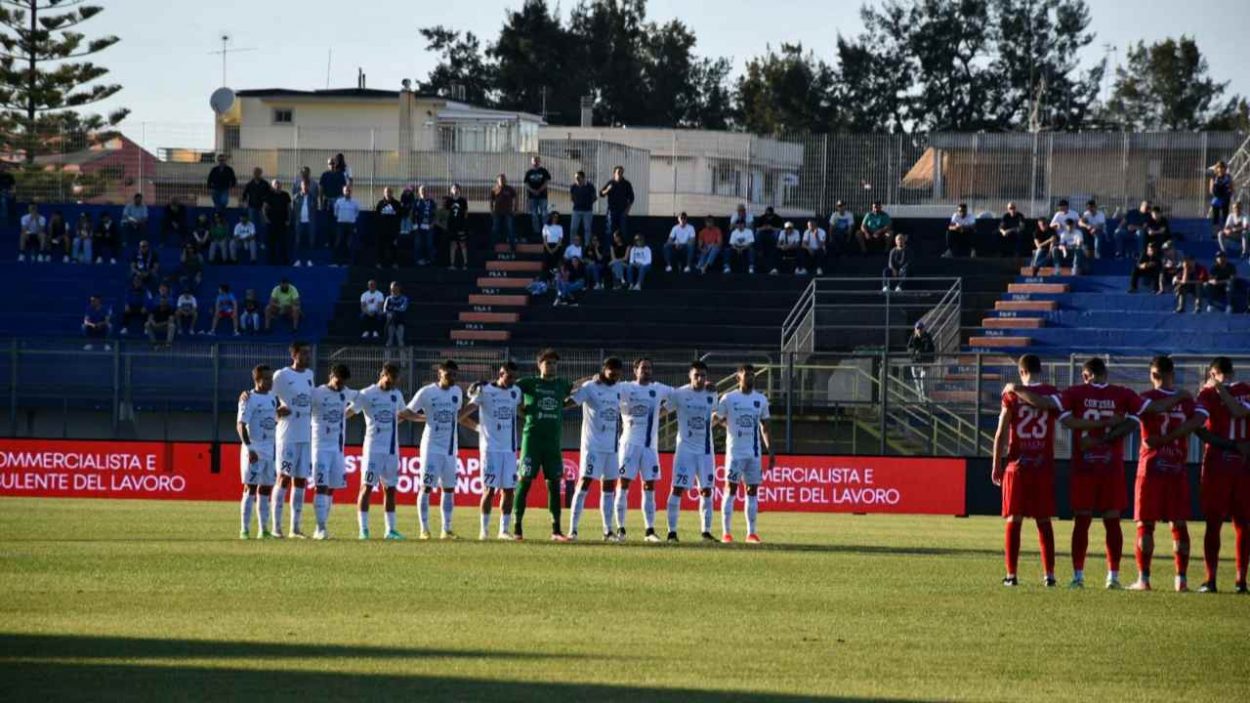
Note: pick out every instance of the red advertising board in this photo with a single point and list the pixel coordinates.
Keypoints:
(184, 470)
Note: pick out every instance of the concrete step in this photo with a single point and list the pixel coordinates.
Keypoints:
(1026, 305)
(493, 318)
(1037, 288)
(1013, 323)
(520, 249)
(519, 265)
(481, 335)
(1045, 271)
(498, 300)
(503, 282)
(999, 342)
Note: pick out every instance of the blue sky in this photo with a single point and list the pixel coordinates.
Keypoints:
(164, 64)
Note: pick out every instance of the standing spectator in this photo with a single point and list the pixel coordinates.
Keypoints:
(1093, 224)
(583, 195)
(371, 303)
(1220, 186)
(387, 214)
(134, 220)
(146, 265)
(7, 184)
(174, 226)
(1148, 268)
(424, 210)
(841, 228)
(106, 239)
(34, 235)
(502, 210)
(711, 239)
(405, 250)
(1132, 226)
(96, 322)
(875, 230)
(789, 242)
(277, 214)
(339, 163)
(1221, 286)
(255, 192)
(553, 244)
(619, 193)
(191, 270)
(741, 247)
(244, 237)
(346, 235)
(922, 349)
(135, 304)
(767, 226)
(1044, 242)
(249, 315)
(220, 180)
(222, 249)
(187, 313)
(960, 233)
(457, 227)
(1158, 228)
(304, 216)
(639, 263)
(574, 250)
(1188, 283)
(396, 309)
(594, 260)
(58, 237)
(1236, 226)
(570, 281)
(283, 302)
(619, 260)
(1071, 249)
(1011, 231)
(161, 318)
(201, 235)
(331, 185)
(225, 307)
(815, 247)
(681, 242)
(83, 233)
(897, 264)
(536, 180)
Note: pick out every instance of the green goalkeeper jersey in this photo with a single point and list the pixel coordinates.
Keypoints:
(543, 403)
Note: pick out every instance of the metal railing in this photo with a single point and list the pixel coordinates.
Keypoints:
(818, 320)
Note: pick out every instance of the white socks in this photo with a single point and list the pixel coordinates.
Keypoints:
(485, 520)
(297, 508)
(262, 503)
(423, 511)
(622, 506)
(607, 502)
(674, 509)
(279, 498)
(726, 512)
(321, 508)
(505, 523)
(448, 503)
(753, 511)
(579, 504)
(648, 508)
(362, 519)
(705, 512)
(390, 521)
(246, 510)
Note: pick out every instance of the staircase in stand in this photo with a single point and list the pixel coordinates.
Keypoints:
(498, 305)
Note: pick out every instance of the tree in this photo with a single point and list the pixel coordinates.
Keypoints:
(875, 70)
(610, 34)
(43, 81)
(790, 91)
(535, 68)
(950, 46)
(462, 66)
(682, 90)
(1165, 86)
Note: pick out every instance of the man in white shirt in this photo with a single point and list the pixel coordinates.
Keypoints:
(741, 215)
(382, 405)
(256, 423)
(841, 227)
(680, 242)
(815, 247)
(34, 237)
(346, 236)
(1063, 215)
(694, 462)
(293, 385)
(741, 247)
(600, 399)
(960, 233)
(371, 316)
(330, 402)
(1071, 248)
(642, 402)
(789, 241)
(639, 256)
(1237, 226)
(245, 237)
(496, 427)
(574, 249)
(744, 413)
(438, 405)
(1093, 224)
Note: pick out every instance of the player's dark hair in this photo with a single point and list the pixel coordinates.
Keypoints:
(298, 345)
(260, 370)
(641, 360)
(746, 366)
(613, 362)
(510, 365)
(1096, 367)
(1162, 364)
(341, 371)
(696, 364)
(548, 354)
(448, 365)
(390, 368)
(1223, 364)
(1031, 363)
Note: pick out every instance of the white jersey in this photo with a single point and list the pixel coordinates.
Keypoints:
(381, 410)
(329, 416)
(694, 419)
(441, 408)
(294, 389)
(601, 414)
(742, 413)
(496, 424)
(259, 414)
(640, 408)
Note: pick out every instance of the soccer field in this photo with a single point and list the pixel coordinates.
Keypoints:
(159, 600)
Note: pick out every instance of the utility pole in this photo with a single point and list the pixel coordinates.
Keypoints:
(225, 52)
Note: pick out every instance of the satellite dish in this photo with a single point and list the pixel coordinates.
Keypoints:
(221, 100)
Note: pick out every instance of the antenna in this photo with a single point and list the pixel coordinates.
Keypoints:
(329, 60)
(225, 52)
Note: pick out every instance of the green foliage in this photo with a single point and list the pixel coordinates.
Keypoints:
(1165, 86)
(790, 91)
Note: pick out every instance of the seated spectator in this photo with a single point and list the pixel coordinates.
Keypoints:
(960, 233)
(897, 264)
(574, 249)
(284, 302)
(742, 215)
(1171, 261)
(34, 235)
(249, 316)
(1158, 228)
(767, 227)
(619, 260)
(174, 226)
(58, 237)
(1188, 282)
(225, 307)
(1236, 227)
(222, 248)
(1062, 216)
(135, 304)
(594, 261)
(1093, 224)
(789, 242)
(134, 220)
(1011, 232)
(187, 313)
(161, 318)
(1221, 285)
(875, 230)
(815, 247)
(1149, 268)
(395, 309)
(84, 231)
(245, 237)
(711, 239)
(96, 322)
(841, 229)
(680, 243)
(1045, 241)
(347, 244)
(570, 282)
(1132, 227)
(191, 269)
(741, 248)
(1071, 248)
(553, 243)
(387, 215)
(145, 264)
(371, 318)
(106, 241)
(639, 262)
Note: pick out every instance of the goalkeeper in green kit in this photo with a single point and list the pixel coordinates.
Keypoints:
(544, 399)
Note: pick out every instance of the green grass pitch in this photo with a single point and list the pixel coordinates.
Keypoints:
(160, 601)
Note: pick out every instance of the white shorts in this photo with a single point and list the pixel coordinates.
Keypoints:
(499, 470)
(640, 462)
(746, 471)
(329, 469)
(381, 467)
(295, 459)
(438, 470)
(259, 474)
(599, 465)
(690, 468)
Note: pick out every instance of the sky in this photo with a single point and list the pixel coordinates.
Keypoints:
(165, 65)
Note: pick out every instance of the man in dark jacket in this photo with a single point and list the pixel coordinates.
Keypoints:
(277, 216)
(620, 195)
(220, 180)
(254, 195)
(922, 350)
(386, 216)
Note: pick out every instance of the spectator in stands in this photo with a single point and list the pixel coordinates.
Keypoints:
(619, 193)
(1093, 224)
(1149, 268)
(789, 242)
(960, 232)
(105, 240)
(536, 180)
(1220, 186)
(191, 269)
(34, 235)
(875, 230)
(767, 227)
(741, 214)
(639, 263)
(396, 310)
(187, 313)
(1132, 226)
(222, 249)
(1221, 285)
(371, 303)
(220, 180)
(711, 239)
(553, 244)
(161, 318)
(680, 242)
(331, 185)
(283, 302)
(574, 250)
(922, 349)
(404, 250)
(583, 195)
(277, 212)
(225, 307)
(135, 304)
(570, 281)
(304, 207)
(423, 211)
(502, 211)
(244, 237)
(1188, 282)
(619, 260)
(897, 264)
(58, 237)
(7, 184)
(815, 247)
(249, 315)
(1071, 248)
(841, 228)
(96, 322)
(1236, 227)
(146, 265)
(387, 214)
(83, 233)
(174, 226)
(457, 227)
(255, 192)
(201, 235)
(1170, 260)
(340, 165)
(741, 247)
(1011, 232)
(134, 220)
(346, 235)
(1062, 216)
(1158, 228)
(1045, 241)
(594, 260)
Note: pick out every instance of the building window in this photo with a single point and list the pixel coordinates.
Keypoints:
(283, 115)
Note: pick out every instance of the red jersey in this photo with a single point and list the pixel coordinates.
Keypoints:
(1031, 436)
(1169, 458)
(1221, 423)
(1098, 401)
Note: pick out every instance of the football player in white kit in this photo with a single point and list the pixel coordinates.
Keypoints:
(329, 421)
(694, 461)
(293, 385)
(641, 404)
(381, 404)
(744, 412)
(256, 423)
(600, 399)
(438, 405)
(496, 407)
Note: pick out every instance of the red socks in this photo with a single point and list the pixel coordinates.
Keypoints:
(1240, 528)
(1180, 549)
(1011, 546)
(1080, 540)
(1144, 550)
(1115, 543)
(1046, 540)
(1211, 548)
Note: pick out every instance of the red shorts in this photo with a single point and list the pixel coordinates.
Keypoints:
(1225, 494)
(1162, 497)
(225, 314)
(1029, 493)
(1098, 491)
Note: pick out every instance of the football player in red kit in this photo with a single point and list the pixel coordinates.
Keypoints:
(1225, 472)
